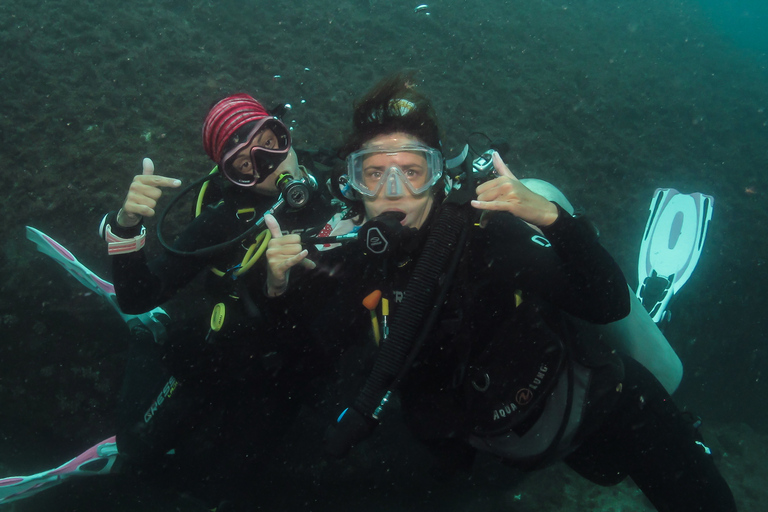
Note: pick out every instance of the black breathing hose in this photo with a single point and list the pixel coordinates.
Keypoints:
(424, 295)
(419, 302)
(295, 193)
(204, 252)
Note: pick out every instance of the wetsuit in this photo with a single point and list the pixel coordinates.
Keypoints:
(504, 372)
(222, 395)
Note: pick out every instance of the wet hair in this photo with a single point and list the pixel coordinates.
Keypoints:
(393, 105)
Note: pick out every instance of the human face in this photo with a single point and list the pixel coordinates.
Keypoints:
(416, 207)
(259, 154)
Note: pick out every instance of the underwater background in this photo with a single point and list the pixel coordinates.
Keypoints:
(606, 99)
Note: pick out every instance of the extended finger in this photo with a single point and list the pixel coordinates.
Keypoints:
(272, 225)
(491, 205)
(156, 181)
(148, 167)
(501, 167)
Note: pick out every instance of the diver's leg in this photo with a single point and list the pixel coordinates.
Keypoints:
(650, 440)
(150, 408)
(666, 456)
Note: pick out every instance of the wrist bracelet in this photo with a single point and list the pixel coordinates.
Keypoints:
(118, 245)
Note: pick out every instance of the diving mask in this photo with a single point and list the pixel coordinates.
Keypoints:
(270, 142)
(415, 166)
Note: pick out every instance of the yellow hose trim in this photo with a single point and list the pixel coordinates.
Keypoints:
(245, 210)
(255, 251)
(252, 255)
(203, 190)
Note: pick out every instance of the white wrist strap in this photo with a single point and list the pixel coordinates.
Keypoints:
(117, 245)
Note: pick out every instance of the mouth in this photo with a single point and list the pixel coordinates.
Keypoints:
(397, 210)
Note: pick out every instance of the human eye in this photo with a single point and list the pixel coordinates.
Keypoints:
(242, 166)
(267, 140)
(270, 142)
(414, 173)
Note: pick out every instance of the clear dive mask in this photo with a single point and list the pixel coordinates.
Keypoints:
(413, 166)
(271, 142)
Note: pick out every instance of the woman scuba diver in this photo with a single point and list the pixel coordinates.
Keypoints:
(197, 393)
(196, 387)
(478, 343)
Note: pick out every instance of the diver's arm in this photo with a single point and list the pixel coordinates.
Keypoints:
(136, 287)
(586, 281)
(142, 284)
(592, 286)
(566, 267)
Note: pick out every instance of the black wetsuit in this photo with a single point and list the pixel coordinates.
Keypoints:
(212, 397)
(503, 362)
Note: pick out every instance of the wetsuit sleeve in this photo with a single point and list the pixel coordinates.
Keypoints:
(141, 285)
(566, 267)
(598, 282)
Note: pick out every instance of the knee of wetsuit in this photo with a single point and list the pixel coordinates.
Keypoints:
(695, 424)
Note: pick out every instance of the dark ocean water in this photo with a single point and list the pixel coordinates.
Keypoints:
(607, 99)
(742, 21)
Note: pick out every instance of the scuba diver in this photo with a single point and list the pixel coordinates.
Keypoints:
(239, 378)
(169, 380)
(472, 313)
(208, 388)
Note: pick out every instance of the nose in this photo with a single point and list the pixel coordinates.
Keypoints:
(394, 184)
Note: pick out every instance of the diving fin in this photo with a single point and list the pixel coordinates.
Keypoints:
(671, 246)
(154, 320)
(97, 460)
